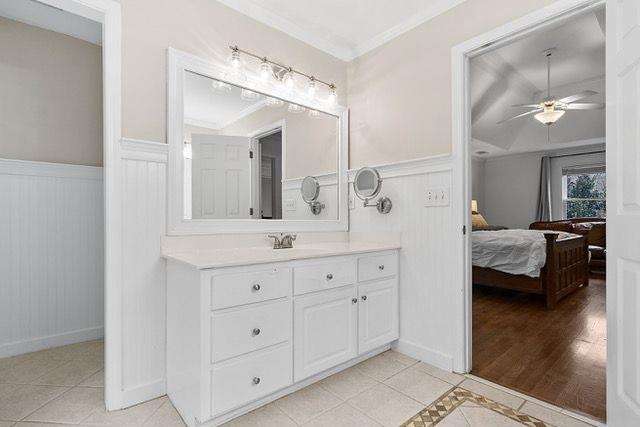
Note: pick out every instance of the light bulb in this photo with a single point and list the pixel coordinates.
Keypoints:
(288, 79)
(295, 108)
(235, 59)
(311, 88)
(333, 96)
(265, 70)
(220, 86)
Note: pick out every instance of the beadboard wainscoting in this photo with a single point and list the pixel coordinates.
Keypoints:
(427, 292)
(144, 183)
(51, 255)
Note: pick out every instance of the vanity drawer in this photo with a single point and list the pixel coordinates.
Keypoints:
(239, 331)
(229, 290)
(250, 378)
(377, 266)
(324, 275)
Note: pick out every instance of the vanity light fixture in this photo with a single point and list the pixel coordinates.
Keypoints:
(274, 102)
(280, 72)
(314, 114)
(221, 86)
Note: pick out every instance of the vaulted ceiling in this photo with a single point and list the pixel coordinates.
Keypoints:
(517, 74)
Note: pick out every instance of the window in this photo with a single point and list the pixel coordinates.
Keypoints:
(584, 192)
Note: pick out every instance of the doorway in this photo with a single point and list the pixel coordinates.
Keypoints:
(471, 155)
(270, 157)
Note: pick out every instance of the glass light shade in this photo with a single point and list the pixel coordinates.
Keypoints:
(274, 102)
(474, 206)
(549, 116)
(311, 88)
(265, 71)
(314, 114)
(333, 96)
(249, 95)
(288, 80)
(234, 61)
(295, 108)
(235, 76)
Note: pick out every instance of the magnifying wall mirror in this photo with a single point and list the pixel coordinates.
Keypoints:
(310, 191)
(367, 184)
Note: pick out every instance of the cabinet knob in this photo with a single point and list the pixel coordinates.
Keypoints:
(256, 331)
(256, 287)
(364, 297)
(256, 380)
(329, 276)
(354, 300)
(381, 267)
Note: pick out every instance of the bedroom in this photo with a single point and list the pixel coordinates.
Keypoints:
(539, 214)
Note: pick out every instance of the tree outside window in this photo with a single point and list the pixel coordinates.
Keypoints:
(584, 192)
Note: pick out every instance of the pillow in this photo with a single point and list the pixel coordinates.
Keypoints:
(478, 221)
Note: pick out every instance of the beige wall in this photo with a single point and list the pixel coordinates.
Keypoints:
(51, 96)
(400, 93)
(205, 28)
(311, 143)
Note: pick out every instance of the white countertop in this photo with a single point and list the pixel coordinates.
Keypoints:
(201, 257)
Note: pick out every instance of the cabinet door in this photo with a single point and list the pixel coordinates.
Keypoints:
(378, 314)
(325, 331)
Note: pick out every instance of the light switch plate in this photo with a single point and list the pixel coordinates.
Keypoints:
(290, 205)
(437, 196)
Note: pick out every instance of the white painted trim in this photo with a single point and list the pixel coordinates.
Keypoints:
(420, 166)
(337, 46)
(178, 63)
(201, 123)
(134, 395)
(424, 354)
(49, 341)
(437, 8)
(57, 170)
(324, 180)
(138, 149)
(461, 135)
(546, 148)
(270, 129)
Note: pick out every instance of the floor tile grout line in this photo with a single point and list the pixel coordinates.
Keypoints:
(167, 401)
(44, 404)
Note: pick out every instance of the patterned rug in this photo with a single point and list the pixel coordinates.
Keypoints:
(439, 410)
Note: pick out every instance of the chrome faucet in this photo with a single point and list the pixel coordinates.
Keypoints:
(284, 241)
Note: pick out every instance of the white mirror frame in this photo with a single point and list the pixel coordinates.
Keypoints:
(178, 63)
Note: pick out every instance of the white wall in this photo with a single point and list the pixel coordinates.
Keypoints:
(511, 184)
(477, 180)
(51, 255)
(427, 291)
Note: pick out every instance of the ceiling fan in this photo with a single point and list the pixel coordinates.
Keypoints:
(549, 110)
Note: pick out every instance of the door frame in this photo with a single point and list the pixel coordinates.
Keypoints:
(256, 173)
(461, 158)
(108, 13)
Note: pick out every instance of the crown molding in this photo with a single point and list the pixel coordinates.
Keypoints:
(337, 47)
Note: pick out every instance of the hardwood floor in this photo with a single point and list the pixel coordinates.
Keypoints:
(554, 355)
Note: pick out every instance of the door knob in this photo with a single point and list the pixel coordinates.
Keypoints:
(256, 380)
(329, 276)
(256, 287)
(256, 331)
(364, 297)
(354, 300)
(381, 267)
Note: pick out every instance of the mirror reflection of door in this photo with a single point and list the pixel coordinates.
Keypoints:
(270, 155)
(220, 173)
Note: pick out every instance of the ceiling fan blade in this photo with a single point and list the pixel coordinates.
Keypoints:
(577, 96)
(521, 115)
(581, 106)
(527, 105)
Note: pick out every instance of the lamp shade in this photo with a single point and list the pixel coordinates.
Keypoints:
(474, 206)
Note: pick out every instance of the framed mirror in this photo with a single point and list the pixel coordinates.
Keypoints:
(367, 184)
(247, 155)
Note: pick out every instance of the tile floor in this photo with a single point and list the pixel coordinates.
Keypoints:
(64, 386)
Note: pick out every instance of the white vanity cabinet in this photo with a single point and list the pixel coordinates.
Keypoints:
(239, 337)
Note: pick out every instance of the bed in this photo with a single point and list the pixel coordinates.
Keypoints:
(548, 263)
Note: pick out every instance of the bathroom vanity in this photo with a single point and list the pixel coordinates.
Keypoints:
(246, 325)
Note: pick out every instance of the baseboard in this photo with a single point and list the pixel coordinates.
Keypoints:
(424, 354)
(49, 341)
(135, 395)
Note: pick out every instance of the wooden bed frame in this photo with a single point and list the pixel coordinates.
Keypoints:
(565, 270)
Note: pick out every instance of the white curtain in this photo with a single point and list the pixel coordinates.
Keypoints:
(544, 195)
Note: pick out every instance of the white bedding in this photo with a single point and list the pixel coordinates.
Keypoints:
(510, 251)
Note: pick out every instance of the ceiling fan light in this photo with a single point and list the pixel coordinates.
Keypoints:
(549, 116)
